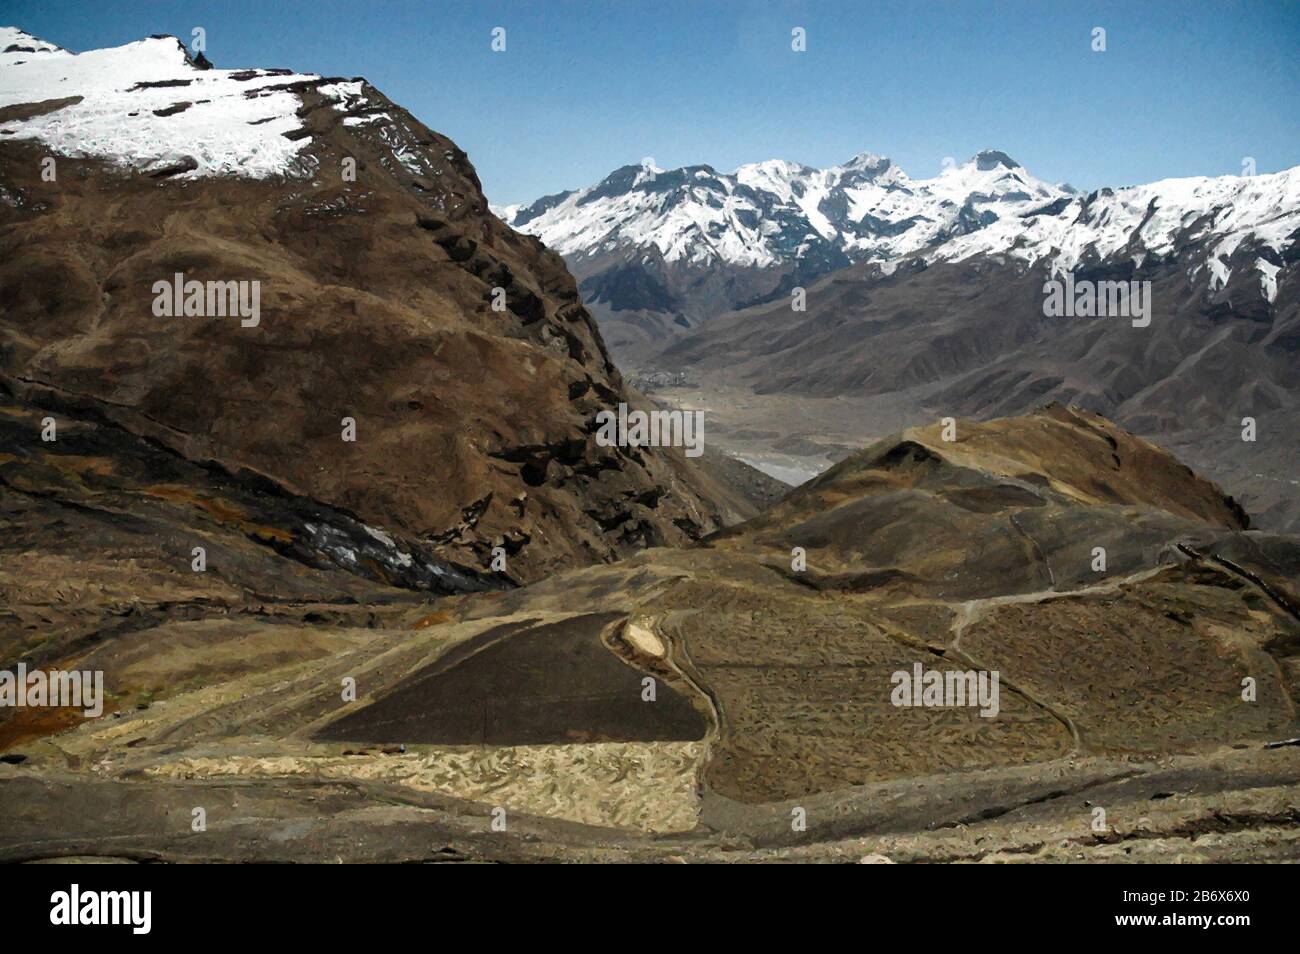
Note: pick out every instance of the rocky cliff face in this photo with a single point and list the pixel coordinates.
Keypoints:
(392, 308)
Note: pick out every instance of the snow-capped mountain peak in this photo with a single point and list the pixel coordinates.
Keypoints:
(868, 165)
(1209, 220)
(986, 176)
(692, 242)
(151, 104)
(764, 213)
(18, 46)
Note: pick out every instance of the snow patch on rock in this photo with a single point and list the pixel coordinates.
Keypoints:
(147, 104)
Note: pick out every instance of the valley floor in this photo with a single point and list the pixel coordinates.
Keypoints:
(795, 437)
(788, 436)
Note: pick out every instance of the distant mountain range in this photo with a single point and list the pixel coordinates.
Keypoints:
(771, 213)
(657, 252)
(933, 291)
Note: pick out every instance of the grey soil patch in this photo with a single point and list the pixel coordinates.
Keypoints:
(548, 684)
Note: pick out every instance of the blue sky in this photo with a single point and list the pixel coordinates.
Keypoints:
(1184, 88)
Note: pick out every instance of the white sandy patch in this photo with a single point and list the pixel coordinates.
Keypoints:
(645, 640)
(647, 786)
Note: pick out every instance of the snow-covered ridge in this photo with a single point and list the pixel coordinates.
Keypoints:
(766, 213)
(1218, 216)
(868, 210)
(148, 104)
(17, 46)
